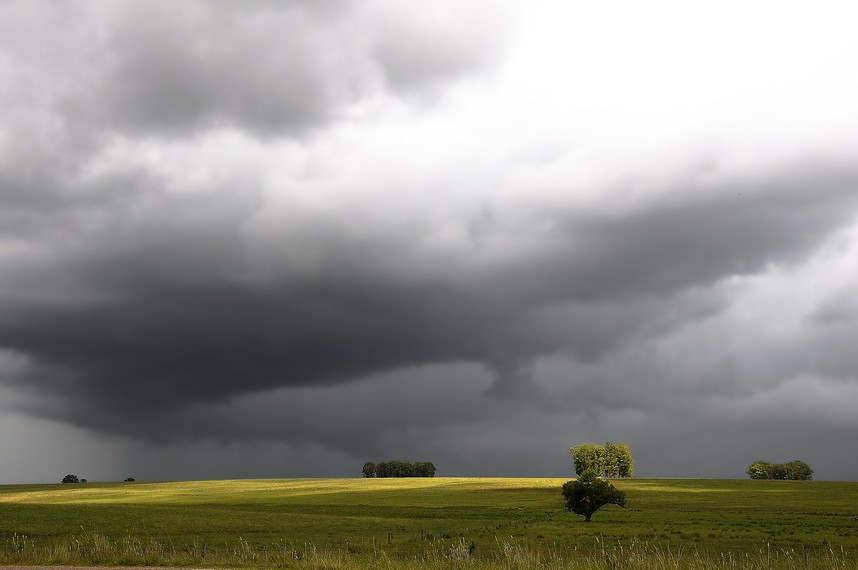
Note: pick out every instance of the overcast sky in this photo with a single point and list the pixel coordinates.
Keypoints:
(278, 239)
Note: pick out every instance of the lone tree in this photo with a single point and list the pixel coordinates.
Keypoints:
(70, 478)
(587, 494)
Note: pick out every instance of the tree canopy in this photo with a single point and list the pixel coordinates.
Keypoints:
(609, 460)
(588, 457)
(618, 460)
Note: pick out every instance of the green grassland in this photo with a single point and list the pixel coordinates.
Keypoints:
(276, 523)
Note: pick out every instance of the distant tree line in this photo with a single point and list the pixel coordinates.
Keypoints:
(609, 460)
(793, 471)
(399, 469)
(72, 478)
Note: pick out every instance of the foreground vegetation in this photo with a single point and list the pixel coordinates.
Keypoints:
(430, 523)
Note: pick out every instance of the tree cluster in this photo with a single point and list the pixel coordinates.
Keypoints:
(72, 478)
(609, 460)
(399, 469)
(588, 494)
(794, 471)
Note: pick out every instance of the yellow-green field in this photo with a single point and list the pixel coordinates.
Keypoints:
(346, 523)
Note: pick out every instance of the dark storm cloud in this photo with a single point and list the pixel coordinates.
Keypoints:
(171, 317)
(679, 242)
(121, 257)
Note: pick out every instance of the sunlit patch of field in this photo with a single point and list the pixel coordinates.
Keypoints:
(407, 518)
(255, 491)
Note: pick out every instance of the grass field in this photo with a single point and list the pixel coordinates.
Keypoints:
(344, 523)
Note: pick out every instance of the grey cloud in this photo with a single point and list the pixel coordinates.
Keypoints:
(448, 41)
(277, 69)
(320, 294)
(179, 67)
(172, 319)
(825, 345)
(732, 230)
(208, 343)
(840, 310)
(353, 418)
